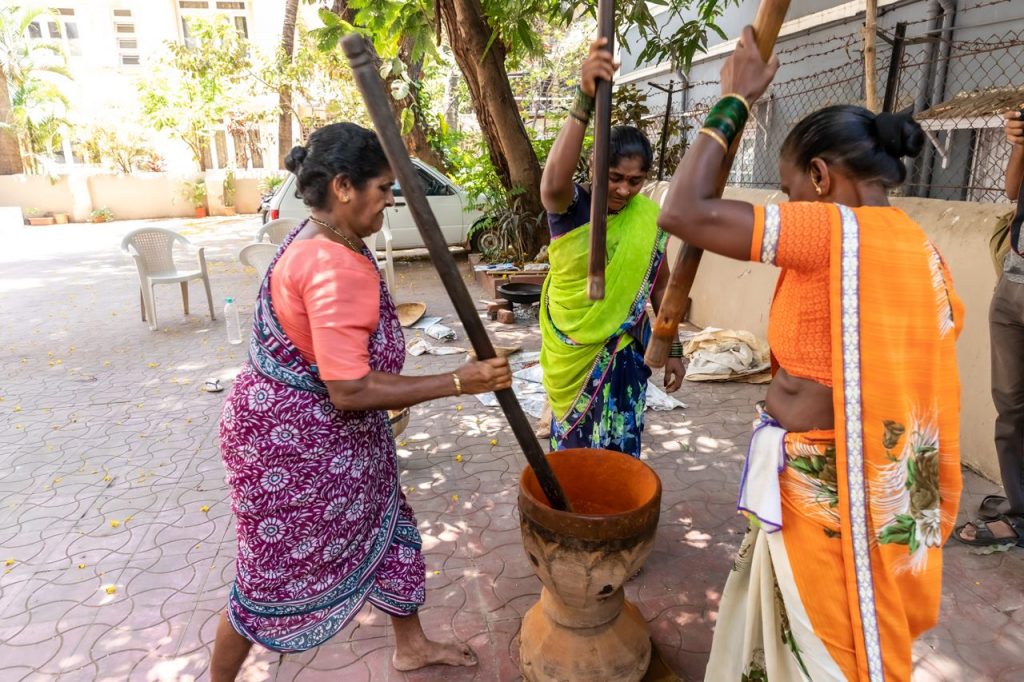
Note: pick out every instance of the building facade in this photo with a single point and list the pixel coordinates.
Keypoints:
(111, 46)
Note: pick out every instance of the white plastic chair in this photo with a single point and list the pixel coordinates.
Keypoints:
(152, 248)
(258, 256)
(387, 264)
(276, 230)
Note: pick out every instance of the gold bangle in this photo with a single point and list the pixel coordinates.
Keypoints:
(741, 98)
(714, 136)
(458, 384)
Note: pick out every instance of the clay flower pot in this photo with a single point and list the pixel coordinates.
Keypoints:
(583, 628)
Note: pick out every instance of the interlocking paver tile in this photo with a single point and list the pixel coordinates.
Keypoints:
(92, 433)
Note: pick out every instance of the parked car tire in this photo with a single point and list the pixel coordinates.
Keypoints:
(484, 240)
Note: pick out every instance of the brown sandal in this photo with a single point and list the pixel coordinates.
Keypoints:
(984, 537)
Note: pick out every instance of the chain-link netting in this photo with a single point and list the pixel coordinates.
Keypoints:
(957, 88)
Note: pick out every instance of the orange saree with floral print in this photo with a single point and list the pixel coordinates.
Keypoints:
(856, 568)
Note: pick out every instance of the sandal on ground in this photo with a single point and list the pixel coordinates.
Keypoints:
(984, 537)
(213, 386)
(992, 507)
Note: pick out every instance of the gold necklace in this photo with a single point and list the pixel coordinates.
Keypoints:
(333, 229)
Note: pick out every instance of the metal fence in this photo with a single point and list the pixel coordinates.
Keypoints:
(957, 88)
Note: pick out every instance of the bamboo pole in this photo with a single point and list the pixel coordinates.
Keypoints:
(602, 133)
(361, 59)
(767, 25)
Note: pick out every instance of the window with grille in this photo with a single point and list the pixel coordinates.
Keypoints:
(127, 43)
(60, 27)
(236, 11)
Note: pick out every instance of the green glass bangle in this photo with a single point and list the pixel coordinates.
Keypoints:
(723, 127)
(733, 108)
(583, 102)
(727, 117)
(676, 350)
(582, 118)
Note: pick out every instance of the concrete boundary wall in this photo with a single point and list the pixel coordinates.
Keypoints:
(737, 295)
(136, 196)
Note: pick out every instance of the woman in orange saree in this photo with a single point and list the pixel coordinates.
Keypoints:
(852, 479)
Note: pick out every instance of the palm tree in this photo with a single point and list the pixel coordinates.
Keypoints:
(284, 94)
(32, 107)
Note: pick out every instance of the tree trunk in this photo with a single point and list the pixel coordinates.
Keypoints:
(284, 95)
(416, 141)
(496, 108)
(10, 153)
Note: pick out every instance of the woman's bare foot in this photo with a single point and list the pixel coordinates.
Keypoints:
(433, 653)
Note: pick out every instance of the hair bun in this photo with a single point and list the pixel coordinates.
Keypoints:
(899, 134)
(295, 158)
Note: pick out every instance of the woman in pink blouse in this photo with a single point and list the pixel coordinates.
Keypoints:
(322, 524)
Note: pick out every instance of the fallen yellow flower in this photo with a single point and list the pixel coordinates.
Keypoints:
(81, 565)
(455, 498)
(115, 523)
(152, 365)
(205, 508)
(9, 562)
(110, 589)
(458, 458)
(494, 441)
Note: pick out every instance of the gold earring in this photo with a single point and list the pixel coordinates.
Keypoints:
(817, 187)
(345, 199)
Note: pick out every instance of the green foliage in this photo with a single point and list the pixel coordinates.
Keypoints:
(34, 71)
(101, 215)
(270, 183)
(228, 189)
(194, 86)
(629, 107)
(195, 192)
(122, 149)
(319, 78)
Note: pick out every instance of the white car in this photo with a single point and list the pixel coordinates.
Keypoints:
(448, 202)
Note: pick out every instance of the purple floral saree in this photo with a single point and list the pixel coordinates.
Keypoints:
(322, 524)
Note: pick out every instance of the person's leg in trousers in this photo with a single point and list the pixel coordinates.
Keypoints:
(1006, 326)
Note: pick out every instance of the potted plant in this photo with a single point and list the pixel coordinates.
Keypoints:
(61, 218)
(34, 217)
(101, 215)
(228, 196)
(195, 192)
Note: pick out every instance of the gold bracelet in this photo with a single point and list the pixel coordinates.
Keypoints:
(741, 98)
(458, 384)
(714, 135)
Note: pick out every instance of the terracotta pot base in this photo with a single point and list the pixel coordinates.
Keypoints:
(583, 628)
(618, 650)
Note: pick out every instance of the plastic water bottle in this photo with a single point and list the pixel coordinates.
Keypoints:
(231, 319)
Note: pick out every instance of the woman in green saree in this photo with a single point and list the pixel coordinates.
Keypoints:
(592, 351)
